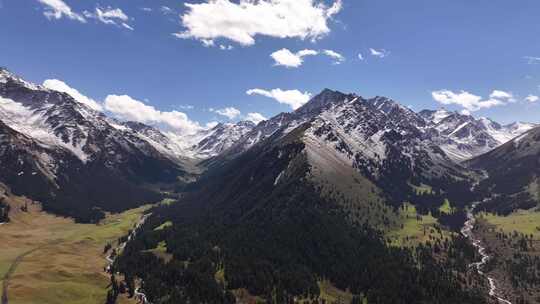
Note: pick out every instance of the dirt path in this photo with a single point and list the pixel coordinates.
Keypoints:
(53, 260)
(13, 268)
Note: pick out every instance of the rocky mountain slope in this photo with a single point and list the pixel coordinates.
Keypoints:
(63, 140)
(308, 198)
(513, 170)
(463, 137)
(74, 159)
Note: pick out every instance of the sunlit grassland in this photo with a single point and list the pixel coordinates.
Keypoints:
(163, 226)
(62, 261)
(521, 221)
(331, 294)
(415, 228)
(446, 207)
(423, 188)
(161, 252)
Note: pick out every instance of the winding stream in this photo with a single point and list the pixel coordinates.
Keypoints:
(141, 297)
(477, 243)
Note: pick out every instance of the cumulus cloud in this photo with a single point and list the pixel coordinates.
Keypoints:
(56, 9)
(471, 102)
(243, 21)
(532, 98)
(109, 15)
(229, 112)
(60, 86)
(379, 53)
(286, 58)
(338, 58)
(254, 117)
(293, 98)
(126, 108)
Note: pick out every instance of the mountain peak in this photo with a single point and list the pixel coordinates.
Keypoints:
(7, 76)
(323, 100)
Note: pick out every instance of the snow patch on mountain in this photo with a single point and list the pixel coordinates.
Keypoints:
(32, 123)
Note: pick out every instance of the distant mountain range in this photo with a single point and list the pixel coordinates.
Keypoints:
(308, 196)
(513, 172)
(59, 150)
(463, 137)
(277, 208)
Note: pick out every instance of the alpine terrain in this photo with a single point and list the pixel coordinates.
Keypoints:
(344, 200)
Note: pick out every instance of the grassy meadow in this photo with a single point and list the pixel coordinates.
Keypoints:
(416, 228)
(53, 259)
(521, 221)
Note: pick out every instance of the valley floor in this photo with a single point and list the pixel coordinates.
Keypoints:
(514, 241)
(48, 259)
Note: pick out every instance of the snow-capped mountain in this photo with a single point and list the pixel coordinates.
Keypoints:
(376, 138)
(220, 138)
(83, 155)
(290, 120)
(463, 136)
(65, 140)
(460, 136)
(513, 173)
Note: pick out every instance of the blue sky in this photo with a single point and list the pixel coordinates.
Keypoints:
(479, 56)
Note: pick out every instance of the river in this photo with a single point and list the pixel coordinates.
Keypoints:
(477, 243)
(141, 297)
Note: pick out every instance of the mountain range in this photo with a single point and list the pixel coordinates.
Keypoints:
(275, 208)
(59, 149)
(56, 149)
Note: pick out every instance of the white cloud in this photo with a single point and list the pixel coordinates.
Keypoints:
(360, 56)
(293, 98)
(186, 107)
(256, 118)
(56, 9)
(379, 53)
(109, 15)
(166, 10)
(211, 125)
(242, 21)
(224, 47)
(127, 26)
(60, 86)
(532, 98)
(229, 112)
(338, 58)
(146, 9)
(498, 94)
(532, 59)
(126, 108)
(471, 102)
(286, 58)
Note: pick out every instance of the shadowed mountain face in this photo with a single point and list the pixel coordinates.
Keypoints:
(73, 159)
(81, 151)
(513, 170)
(309, 200)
